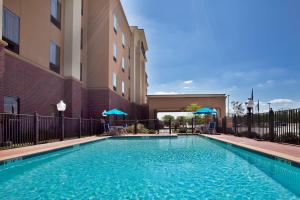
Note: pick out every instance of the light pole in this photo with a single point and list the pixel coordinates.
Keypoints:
(61, 107)
(228, 104)
(250, 105)
(269, 105)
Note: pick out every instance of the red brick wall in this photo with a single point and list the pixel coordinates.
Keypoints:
(105, 99)
(73, 98)
(2, 70)
(97, 101)
(38, 89)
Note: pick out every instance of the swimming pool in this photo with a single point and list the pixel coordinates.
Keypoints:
(150, 168)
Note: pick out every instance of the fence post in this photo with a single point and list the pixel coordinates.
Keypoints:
(135, 126)
(91, 125)
(79, 127)
(235, 125)
(170, 126)
(224, 125)
(62, 125)
(249, 123)
(36, 128)
(156, 125)
(1, 130)
(271, 125)
(193, 121)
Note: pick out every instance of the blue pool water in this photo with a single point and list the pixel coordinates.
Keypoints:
(150, 168)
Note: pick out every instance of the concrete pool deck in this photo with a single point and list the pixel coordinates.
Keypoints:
(11, 154)
(285, 151)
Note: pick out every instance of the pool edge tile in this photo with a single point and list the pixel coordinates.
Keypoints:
(30, 154)
(294, 161)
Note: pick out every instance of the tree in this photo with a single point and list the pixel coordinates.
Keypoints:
(200, 119)
(167, 118)
(192, 107)
(238, 108)
(181, 120)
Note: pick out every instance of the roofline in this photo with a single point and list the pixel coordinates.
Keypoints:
(144, 35)
(186, 95)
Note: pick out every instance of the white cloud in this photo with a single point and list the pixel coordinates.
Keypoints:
(281, 101)
(189, 82)
(266, 84)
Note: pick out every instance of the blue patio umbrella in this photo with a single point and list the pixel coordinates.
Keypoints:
(114, 112)
(205, 110)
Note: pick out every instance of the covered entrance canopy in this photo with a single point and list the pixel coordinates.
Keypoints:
(178, 103)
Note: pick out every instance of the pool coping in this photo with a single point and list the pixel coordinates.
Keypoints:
(52, 148)
(61, 145)
(56, 146)
(295, 161)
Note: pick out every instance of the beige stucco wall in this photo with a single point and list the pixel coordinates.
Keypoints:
(72, 39)
(37, 32)
(115, 67)
(177, 103)
(98, 43)
(138, 70)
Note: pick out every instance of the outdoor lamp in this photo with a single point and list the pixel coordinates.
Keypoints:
(250, 105)
(61, 106)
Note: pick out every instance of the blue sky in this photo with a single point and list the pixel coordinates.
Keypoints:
(222, 46)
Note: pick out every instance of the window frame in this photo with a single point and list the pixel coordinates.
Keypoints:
(115, 23)
(17, 101)
(123, 40)
(114, 80)
(81, 39)
(55, 66)
(123, 88)
(56, 20)
(12, 45)
(80, 71)
(81, 7)
(123, 63)
(115, 52)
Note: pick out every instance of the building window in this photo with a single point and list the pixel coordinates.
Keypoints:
(11, 30)
(11, 105)
(129, 73)
(123, 88)
(81, 7)
(80, 71)
(123, 64)
(54, 57)
(129, 99)
(115, 52)
(81, 39)
(114, 81)
(115, 24)
(55, 13)
(129, 53)
(123, 40)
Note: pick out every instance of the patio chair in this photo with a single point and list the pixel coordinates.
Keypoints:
(212, 128)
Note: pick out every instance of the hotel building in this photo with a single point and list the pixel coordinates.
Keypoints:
(81, 51)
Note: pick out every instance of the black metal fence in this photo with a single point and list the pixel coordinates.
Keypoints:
(277, 126)
(189, 126)
(22, 130)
